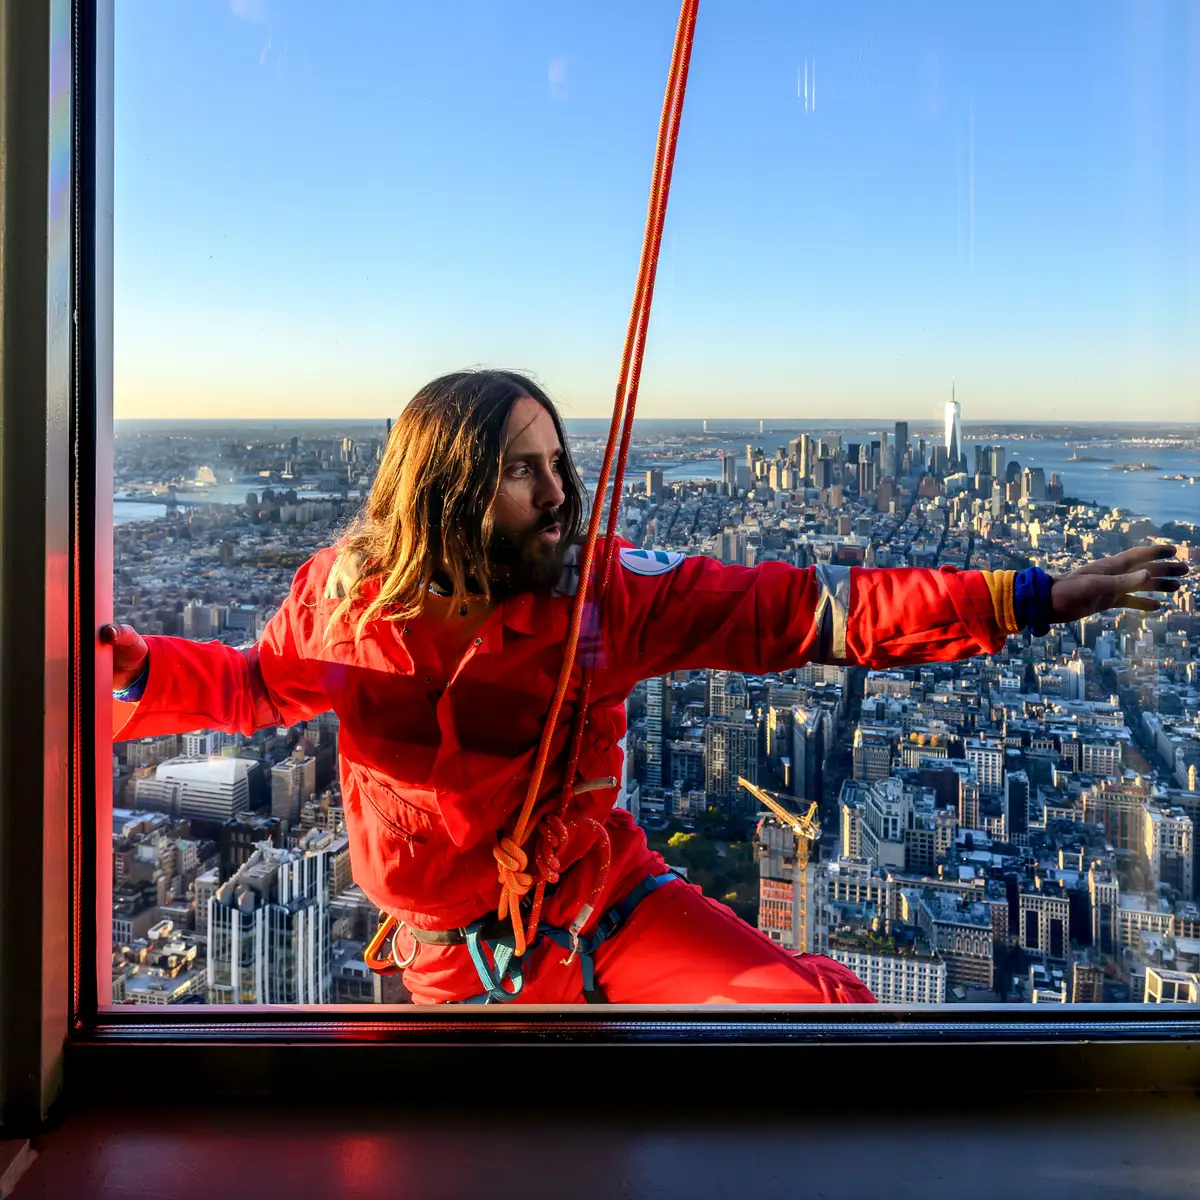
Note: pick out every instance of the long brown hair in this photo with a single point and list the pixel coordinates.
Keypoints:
(431, 508)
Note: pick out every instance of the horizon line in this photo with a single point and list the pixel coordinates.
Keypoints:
(935, 422)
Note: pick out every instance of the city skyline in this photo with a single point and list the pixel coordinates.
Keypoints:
(926, 221)
(1015, 826)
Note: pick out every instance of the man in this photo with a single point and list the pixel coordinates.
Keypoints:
(435, 630)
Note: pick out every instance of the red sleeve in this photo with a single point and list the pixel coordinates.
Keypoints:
(671, 612)
(205, 685)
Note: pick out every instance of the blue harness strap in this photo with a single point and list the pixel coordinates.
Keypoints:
(508, 965)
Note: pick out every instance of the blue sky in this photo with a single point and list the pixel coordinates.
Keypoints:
(320, 206)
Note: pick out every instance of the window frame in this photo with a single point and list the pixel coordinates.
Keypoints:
(58, 1034)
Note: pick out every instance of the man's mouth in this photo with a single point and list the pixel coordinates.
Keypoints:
(551, 533)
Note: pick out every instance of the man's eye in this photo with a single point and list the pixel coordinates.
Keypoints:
(518, 472)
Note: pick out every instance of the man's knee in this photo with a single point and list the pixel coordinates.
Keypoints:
(837, 983)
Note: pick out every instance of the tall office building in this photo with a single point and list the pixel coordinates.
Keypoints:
(988, 761)
(868, 475)
(658, 713)
(654, 483)
(1104, 897)
(809, 739)
(293, 784)
(730, 750)
(901, 441)
(1016, 801)
(269, 928)
(954, 442)
(729, 472)
(727, 693)
(1168, 849)
(1033, 483)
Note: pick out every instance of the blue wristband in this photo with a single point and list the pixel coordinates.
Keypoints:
(1031, 601)
(133, 693)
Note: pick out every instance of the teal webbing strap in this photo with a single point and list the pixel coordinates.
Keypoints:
(508, 966)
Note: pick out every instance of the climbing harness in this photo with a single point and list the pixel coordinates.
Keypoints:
(493, 937)
(523, 891)
(508, 964)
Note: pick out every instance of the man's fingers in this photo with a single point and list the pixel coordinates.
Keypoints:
(1168, 570)
(118, 636)
(1131, 560)
(1141, 555)
(1133, 582)
(1142, 603)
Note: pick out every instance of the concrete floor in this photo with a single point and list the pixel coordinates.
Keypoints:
(1097, 1151)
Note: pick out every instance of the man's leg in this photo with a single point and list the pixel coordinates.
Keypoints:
(680, 947)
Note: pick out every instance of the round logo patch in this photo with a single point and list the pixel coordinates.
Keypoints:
(650, 562)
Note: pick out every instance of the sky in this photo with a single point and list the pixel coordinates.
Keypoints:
(321, 206)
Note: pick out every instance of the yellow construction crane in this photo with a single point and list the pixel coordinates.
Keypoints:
(806, 829)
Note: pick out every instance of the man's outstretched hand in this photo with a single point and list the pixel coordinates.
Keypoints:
(1114, 583)
(129, 653)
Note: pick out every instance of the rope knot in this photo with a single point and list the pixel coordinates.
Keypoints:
(553, 836)
(512, 861)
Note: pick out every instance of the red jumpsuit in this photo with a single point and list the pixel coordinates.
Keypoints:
(435, 756)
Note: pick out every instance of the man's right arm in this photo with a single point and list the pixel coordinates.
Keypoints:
(168, 685)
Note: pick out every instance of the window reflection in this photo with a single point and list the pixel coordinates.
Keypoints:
(933, 324)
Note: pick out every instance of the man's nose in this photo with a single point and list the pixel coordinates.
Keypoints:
(550, 491)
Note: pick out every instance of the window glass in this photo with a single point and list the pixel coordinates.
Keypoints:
(926, 299)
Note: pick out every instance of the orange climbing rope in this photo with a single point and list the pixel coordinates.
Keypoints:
(554, 832)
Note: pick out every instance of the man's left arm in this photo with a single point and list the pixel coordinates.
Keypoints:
(671, 612)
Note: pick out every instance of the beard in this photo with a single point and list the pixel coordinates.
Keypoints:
(525, 561)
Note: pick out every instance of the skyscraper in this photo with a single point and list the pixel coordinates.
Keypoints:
(269, 928)
(658, 713)
(954, 442)
(901, 441)
(293, 783)
(730, 750)
(1016, 801)
(729, 473)
(727, 693)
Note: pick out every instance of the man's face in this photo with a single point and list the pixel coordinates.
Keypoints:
(526, 538)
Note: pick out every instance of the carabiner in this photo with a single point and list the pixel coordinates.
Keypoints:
(372, 956)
